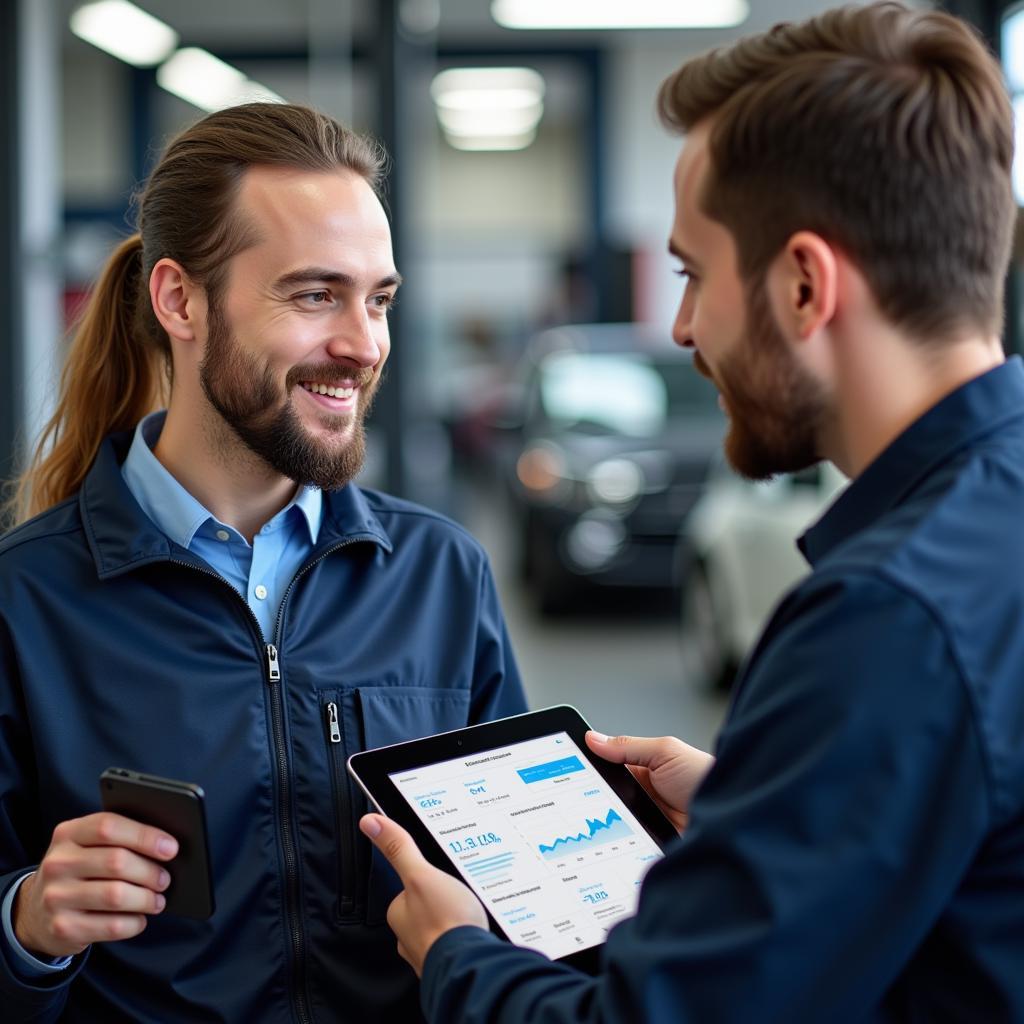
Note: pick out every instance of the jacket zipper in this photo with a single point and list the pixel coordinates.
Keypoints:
(293, 901)
(332, 722)
(346, 854)
(293, 894)
(269, 660)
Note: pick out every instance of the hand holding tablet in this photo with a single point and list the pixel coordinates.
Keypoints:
(552, 839)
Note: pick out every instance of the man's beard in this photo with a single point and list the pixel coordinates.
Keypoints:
(776, 409)
(263, 417)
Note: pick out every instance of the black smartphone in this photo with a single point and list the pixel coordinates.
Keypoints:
(177, 808)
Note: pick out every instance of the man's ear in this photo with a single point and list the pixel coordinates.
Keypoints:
(177, 300)
(804, 281)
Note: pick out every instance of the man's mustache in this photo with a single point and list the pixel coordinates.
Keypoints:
(330, 374)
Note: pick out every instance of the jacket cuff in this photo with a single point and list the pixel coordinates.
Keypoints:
(443, 984)
(26, 964)
(26, 995)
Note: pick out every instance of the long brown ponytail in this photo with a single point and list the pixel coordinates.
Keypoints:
(109, 382)
(119, 364)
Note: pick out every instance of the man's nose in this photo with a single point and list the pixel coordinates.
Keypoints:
(354, 339)
(682, 326)
(682, 335)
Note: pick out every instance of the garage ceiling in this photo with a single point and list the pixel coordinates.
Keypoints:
(266, 25)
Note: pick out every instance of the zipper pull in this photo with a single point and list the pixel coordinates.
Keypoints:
(273, 669)
(332, 722)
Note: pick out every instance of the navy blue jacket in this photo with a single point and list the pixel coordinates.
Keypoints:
(857, 851)
(120, 648)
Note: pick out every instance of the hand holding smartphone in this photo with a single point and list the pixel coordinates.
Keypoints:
(177, 808)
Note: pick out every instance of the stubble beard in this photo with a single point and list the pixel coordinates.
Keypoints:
(776, 409)
(251, 404)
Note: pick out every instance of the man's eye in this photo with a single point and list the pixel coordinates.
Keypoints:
(319, 298)
(384, 301)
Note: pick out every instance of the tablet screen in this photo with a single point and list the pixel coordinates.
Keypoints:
(554, 854)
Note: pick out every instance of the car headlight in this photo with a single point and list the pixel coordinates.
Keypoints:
(542, 470)
(595, 540)
(615, 481)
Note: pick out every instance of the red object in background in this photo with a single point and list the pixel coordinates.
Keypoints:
(74, 303)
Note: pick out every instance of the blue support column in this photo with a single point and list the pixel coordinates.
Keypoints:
(393, 56)
(11, 411)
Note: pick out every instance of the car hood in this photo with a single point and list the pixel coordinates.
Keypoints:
(684, 440)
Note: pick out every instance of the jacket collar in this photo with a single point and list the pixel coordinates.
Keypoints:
(122, 537)
(970, 412)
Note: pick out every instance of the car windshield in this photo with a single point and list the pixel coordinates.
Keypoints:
(621, 393)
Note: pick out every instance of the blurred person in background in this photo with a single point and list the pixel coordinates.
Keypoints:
(202, 593)
(855, 849)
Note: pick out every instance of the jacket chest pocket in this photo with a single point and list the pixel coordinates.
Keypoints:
(362, 718)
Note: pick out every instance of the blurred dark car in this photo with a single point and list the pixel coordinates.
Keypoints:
(614, 439)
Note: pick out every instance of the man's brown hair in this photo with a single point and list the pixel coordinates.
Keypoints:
(119, 365)
(885, 130)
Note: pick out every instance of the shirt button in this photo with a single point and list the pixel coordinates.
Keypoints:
(260, 592)
(223, 535)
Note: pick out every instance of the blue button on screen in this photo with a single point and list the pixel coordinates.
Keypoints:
(550, 770)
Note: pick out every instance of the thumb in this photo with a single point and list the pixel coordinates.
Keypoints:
(636, 750)
(394, 842)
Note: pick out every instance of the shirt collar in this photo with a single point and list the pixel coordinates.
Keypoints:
(174, 509)
(971, 411)
(310, 502)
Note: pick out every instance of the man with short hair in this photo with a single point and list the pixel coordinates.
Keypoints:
(855, 850)
(203, 594)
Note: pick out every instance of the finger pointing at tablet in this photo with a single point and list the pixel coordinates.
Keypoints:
(432, 903)
(669, 769)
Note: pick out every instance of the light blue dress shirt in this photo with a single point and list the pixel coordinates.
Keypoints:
(260, 572)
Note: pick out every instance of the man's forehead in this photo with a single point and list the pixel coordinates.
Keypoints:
(688, 178)
(692, 165)
(279, 197)
(297, 217)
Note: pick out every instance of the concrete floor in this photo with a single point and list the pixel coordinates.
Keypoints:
(618, 659)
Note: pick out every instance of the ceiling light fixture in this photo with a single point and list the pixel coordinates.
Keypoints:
(489, 108)
(619, 14)
(490, 143)
(207, 82)
(124, 31)
(489, 122)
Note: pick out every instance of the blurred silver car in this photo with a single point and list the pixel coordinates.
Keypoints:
(738, 556)
(615, 438)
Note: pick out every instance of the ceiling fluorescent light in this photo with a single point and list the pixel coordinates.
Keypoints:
(489, 108)
(619, 14)
(125, 31)
(475, 86)
(207, 82)
(489, 99)
(254, 92)
(490, 143)
(490, 122)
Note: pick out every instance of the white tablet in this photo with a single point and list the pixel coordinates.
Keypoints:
(553, 840)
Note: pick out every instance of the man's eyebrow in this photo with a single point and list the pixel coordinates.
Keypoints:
(321, 275)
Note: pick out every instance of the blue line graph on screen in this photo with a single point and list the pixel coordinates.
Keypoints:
(598, 831)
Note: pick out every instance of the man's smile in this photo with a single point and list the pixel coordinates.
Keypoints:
(339, 397)
(334, 391)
